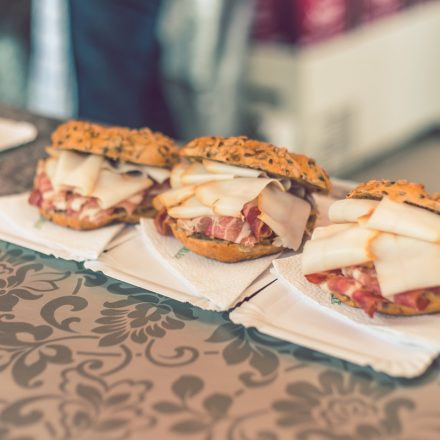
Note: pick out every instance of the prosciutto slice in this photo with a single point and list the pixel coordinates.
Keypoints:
(258, 228)
(162, 222)
(77, 206)
(361, 285)
(230, 229)
(247, 231)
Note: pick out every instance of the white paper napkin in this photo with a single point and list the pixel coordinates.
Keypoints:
(15, 133)
(286, 314)
(422, 330)
(20, 223)
(127, 259)
(221, 283)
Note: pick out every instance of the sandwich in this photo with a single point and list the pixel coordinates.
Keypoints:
(234, 199)
(382, 253)
(98, 175)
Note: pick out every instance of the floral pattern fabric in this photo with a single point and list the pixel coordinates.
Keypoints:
(84, 356)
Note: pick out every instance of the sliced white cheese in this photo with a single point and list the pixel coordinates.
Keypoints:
(113, 188)
(328, 231)
(50, 167)
(348, 247)
(404, 263)
(197, 173)
(404, 219)
(190, 208)
(351, 210)
(85, 176)
(222, 168)
(227, 197)
(173, 197)
(177, 173)
(158, 174)
(285, 214)
(392, 246)
(67, 162)
(229, 206)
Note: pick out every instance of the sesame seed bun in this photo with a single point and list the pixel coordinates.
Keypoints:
(222, 250)
(400, 191)
(61, 218)
(245, 152)
(142, 146)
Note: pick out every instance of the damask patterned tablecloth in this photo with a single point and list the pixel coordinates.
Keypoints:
(86, 356)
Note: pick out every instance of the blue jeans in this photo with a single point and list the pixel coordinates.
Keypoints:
(116, 59)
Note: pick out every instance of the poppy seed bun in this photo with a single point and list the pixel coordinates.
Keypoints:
(400, 191)
(245, 152)
(222, 250)
(142, 146)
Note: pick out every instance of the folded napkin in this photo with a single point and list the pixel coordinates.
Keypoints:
(222, 284)
(420, 330)
(127, 259)
(286, 314)
(20, 223)
(15, 133)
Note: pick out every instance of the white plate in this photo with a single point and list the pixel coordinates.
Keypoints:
(419, 330)
(15, 133)
(280, 312)
(129, 261)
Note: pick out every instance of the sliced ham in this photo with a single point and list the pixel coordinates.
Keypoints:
(223, 228)
(361, 285)
(414, 299)
(259, 228)
(247, 231)
(162, 222)
(78, 206)
(36, 198)
(367, 300)
(365, 275)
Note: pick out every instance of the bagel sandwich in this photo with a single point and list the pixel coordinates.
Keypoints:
(382, 253)
(235, 199)
(97, 175)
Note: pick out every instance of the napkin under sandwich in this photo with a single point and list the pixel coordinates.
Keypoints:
(21, 224)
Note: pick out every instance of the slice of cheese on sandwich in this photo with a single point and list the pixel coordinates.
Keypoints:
(85, 175)
(401, 218)
(232, 170)
(228, 197)
(158, 174)
(285, 214)
(404, 263)
(351, 210)
(196, 173)
(113, 188)
(190, 208)
(346, 247)
(328, 231)
(173, 196)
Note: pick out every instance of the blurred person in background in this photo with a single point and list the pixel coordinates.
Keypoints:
(111, 60)
(52, 86)
(116, 57)
(14, 50)
(204, 54)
